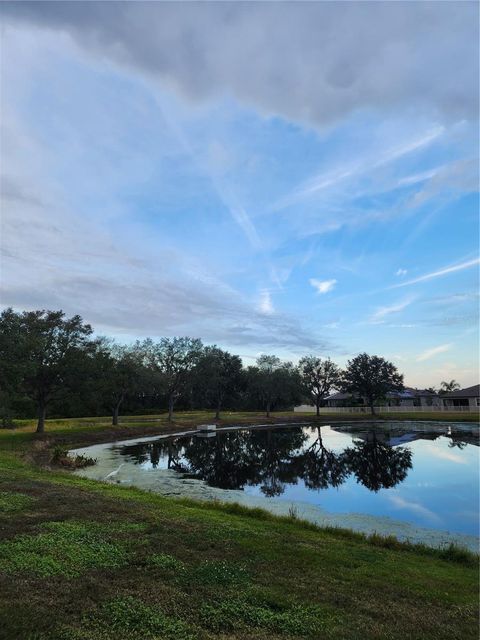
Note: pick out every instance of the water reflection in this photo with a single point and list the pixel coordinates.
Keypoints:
(378, 465)
(271, 459)
(322, 468)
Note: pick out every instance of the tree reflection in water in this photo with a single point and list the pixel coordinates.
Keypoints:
(378, 465)
(273, 458)
(322, 468)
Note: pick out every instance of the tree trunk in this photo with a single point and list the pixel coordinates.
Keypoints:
(217, 413)
(116, 410)
(42, 410)
(318, 407)
(170, 408)
(372, 408)
(268, 409)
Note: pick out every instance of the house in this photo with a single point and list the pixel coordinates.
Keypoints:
(343, 400)
(409, 397)
(469, 397)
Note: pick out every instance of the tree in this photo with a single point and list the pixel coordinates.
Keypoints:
(319, 377)
(118, 373)
(49, 352)
(272, 381)
(372, 377)
(448, 387)
(174, 359)
(11, 365)
(218, 373)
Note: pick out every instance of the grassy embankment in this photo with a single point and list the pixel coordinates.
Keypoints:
(81, 560)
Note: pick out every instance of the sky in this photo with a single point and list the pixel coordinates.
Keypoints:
(286, 178)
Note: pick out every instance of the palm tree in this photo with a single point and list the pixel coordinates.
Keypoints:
(449, 386)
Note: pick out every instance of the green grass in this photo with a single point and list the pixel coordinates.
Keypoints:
(61, 548)
(128, 618)
(65, 426)
(81, 560)
(11, 501)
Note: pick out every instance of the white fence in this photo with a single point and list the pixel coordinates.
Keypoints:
(305, 408)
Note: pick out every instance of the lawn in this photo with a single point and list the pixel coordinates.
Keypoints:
(82, 560)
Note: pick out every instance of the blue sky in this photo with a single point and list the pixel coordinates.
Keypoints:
(171, 170)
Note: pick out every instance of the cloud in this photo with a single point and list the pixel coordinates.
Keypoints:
(401, 272)
(322, 286)
(376, 55)
(265, 305)
(415, 507)
(418, 177)
(245, 223)
(441, 272)
(445, 455)
(430, 353)
(460, 176)
(157, 306)
(58, 256)
(324, 181)
(380, 314)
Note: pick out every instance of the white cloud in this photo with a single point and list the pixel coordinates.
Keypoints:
(364, 166)
(461, 175)
(418, 177)
(445, 455)
(380, 314)
(331, 325)
(430, 353)
(401, 272)
(322, 286)
(265, 304)
(415, 507)
(442, 272)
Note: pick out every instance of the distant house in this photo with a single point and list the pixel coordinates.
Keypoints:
(409, 397)
(343, 400)
(469, 397)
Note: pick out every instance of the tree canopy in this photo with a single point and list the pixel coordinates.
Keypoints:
(319, 377)
(371, 377)
(45, 353)
(447, 387)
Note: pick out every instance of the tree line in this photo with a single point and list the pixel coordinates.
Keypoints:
(53, 364)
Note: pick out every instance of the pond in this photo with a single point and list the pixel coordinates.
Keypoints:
(418, 481)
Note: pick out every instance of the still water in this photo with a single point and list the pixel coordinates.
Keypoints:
(414, 480)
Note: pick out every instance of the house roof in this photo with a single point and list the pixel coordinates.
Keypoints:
(410, 392)
(469, 392)
(407, 393)
(339, 396)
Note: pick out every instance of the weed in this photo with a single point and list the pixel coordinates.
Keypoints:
(299, 620)
(62, 458)
(455, 553)
(293, 512)
(63, 548)
(165, 561)
(11, 501)
(221, 573)
(129, 618)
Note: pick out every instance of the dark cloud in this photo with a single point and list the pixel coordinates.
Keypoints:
(311, 62)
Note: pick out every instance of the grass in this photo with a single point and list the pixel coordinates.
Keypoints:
(81, 560)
